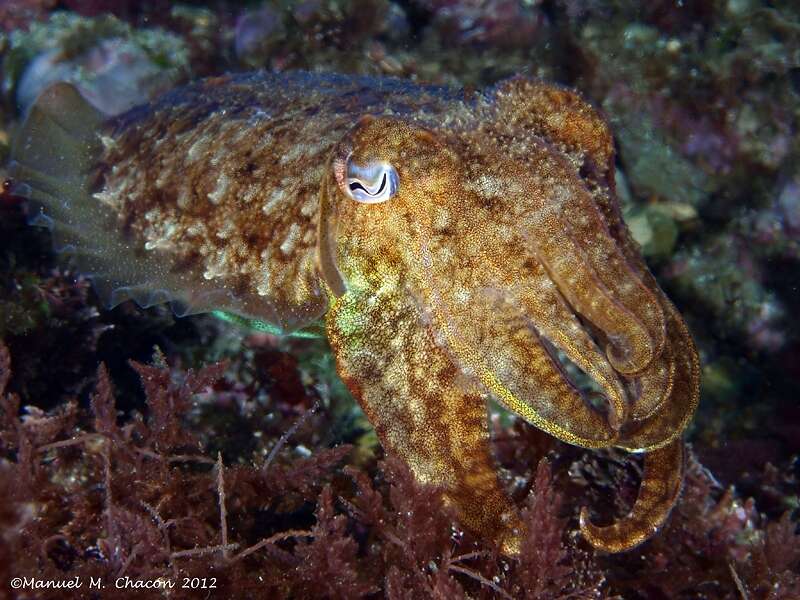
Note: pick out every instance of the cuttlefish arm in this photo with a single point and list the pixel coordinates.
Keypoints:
(423, 409)
(658, 492)
(664, 385)
(582, 257)
(459, 266)
(664, 394)
(430, 414)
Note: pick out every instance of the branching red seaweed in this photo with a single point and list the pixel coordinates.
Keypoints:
(129, 497)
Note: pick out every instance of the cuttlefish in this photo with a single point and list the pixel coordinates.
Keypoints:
(459, 246)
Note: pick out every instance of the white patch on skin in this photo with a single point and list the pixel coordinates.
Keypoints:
(489, 185)
(265, 141)
(445, 256)
(220, 153)
(295, 152)
(441, 219)
(108, 142)
(262, 283)
(162, 179)
(505, 233)
(258, 115)
(196, 149)
(277, 196)
(184, 196)
(309, 207)
(196, 229)
(217, 266)
(461, 295)
(161, 236)
(228, 228)
(312, 175)
(390, 281)
(219, 191)
(301, 290)
(106, 197)
(249, 194)
(283, 275)
(291, 238)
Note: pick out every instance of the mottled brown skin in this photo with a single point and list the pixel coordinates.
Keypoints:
(223, 178)
(500, 267)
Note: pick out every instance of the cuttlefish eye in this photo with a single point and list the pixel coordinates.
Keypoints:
(376, 182)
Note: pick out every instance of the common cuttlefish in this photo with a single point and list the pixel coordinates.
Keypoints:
(459, 246)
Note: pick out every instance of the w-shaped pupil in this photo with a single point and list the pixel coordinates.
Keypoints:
(383, 185)
(357, 185)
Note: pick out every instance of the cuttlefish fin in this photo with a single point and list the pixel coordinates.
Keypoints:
(423, 408)
(56, 163)
(659, 490)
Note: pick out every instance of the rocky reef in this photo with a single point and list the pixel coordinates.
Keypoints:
(135, 444)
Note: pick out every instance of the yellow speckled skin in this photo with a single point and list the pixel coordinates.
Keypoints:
(503, 247)
(500, 267)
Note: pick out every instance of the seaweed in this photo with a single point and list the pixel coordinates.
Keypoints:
(92, 491)
(134, 497)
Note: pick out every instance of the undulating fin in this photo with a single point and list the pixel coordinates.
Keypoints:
(54, 163)
(53, 158)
